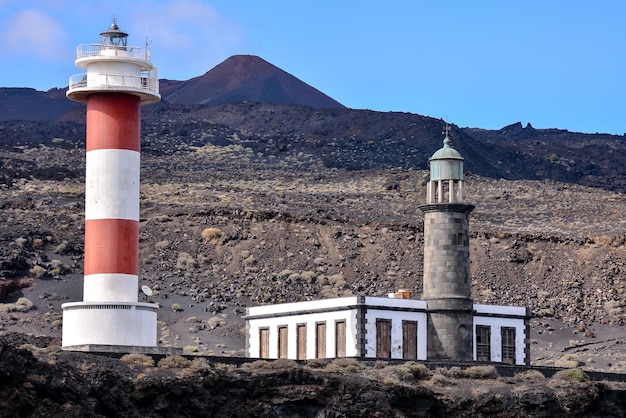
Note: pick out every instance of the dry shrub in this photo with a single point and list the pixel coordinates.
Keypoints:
(571, 375)
(38, 272)
(319, 261)
(473, 372)
(441, 380)
(568, 360)
(542, 294)
(255, 365)
(337, 280)
(161, 245)
(174, 362)
(520, 390)
(200, 364)
(407, 372)
(530, 374)
(51, 349)
(419, 371)
(481, 372)
(215, 322)
(185, 261)
(380, 364)
(225, 368)
(21, 305)
(138, 358)
(308, 276)
(613, 307)
(58, 267)
(61, 248)
(285, 273)
(454, 372)
(316, 363)
(344, 365)
(329, 292)
(191, 349)
(282, 363)
(212, 235)
(603, 240)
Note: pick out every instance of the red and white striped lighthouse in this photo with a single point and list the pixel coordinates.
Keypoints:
(118, 80)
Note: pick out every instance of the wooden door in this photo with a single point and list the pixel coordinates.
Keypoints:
(301, 331)
(264, 343)
(483, 343)
(320, 340)
(409, 340)
(508, 345)
(383, 338)
(282, 342)
(340, 339)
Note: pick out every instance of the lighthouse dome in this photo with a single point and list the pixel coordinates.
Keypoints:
(446, 163)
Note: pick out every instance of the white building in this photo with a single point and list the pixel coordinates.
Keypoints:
(376, 327)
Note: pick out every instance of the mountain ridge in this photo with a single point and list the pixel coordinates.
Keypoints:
(246, 78)
(257, 100)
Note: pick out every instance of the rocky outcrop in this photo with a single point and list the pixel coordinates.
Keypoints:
(37, 379)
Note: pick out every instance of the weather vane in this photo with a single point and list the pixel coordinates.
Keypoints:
(446, 130)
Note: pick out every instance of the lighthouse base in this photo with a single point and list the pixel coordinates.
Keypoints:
(109, 323)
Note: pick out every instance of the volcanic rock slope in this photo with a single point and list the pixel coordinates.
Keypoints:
(250, 203)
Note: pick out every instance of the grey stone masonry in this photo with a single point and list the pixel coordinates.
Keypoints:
(447, 289)
(446, 251)
(450, 335)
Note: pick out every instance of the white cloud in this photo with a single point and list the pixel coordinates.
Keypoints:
(33, 33)
(190, 33)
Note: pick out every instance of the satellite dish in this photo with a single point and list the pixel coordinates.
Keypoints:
(146, 290)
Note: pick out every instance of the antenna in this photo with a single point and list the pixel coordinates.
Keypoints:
(148, 40)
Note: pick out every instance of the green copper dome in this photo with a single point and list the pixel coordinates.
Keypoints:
(446, 163)
(447, 152)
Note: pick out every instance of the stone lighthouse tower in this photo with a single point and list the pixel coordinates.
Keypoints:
(118, 80)
(446, 258)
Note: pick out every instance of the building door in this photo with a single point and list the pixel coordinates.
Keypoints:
(409, 340)
(320, 340)
(264, 343)
(483, 343)
(340, 339)
(383, 338)
(282, 342)
(301, 331)
(508, 345)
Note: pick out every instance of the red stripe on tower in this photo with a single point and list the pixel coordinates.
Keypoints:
(111, 246)
(113, 121)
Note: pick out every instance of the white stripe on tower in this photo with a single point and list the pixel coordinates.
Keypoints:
(112, 198)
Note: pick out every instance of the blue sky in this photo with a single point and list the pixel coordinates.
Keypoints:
(487, 64)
